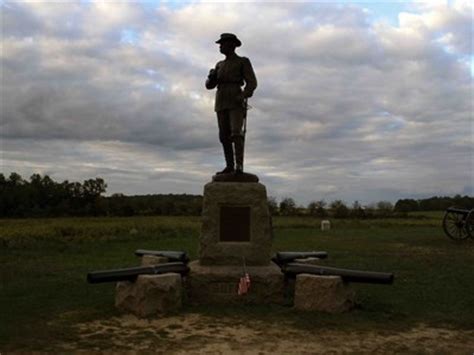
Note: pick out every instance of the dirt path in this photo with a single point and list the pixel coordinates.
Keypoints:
(198, 334)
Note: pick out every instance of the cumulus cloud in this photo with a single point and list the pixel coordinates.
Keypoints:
(347, 106)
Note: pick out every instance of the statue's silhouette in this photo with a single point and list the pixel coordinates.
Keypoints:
(229, 75)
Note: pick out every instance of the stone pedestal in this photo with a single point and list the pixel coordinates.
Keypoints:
(219, 284)
(323, 293)
(235, 228)
(235, 224)
(150, 295)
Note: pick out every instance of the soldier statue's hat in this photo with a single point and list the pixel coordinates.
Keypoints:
(229, 37)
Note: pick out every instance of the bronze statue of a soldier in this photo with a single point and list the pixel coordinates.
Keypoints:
(229, 75)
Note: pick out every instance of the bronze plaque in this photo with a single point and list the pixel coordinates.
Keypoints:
(235, 224)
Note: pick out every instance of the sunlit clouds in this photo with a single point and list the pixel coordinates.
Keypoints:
(349, 105)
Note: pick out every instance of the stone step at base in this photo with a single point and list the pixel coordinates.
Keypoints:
(219, 284)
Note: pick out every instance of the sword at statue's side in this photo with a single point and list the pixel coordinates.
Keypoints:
(244, 130)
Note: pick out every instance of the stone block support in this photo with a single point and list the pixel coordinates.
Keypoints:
(323, 293)
(150, 295)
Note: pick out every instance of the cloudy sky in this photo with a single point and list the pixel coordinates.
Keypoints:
(363, 101)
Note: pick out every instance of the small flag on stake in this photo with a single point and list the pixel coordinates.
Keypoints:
(244, 281)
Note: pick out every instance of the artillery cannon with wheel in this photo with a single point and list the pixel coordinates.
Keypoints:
(458, 224)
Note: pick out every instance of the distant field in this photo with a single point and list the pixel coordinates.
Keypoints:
(44, 263)
(27, 232)
(24, 232)
(427, 214)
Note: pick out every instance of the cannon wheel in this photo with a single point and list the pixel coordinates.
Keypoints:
(470, 223)
(454, 225)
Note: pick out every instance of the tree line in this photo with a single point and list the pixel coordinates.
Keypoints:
(339, 209)
(41, 196)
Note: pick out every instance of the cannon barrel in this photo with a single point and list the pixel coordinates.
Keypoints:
(285, 257)
(293, 269)
(458, 210)
(130, 274)
(171, 255)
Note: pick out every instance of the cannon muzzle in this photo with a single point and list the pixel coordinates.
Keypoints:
(347, 275)
(130, 274)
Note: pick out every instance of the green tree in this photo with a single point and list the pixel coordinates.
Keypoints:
(357, 211)
(384, 208)
(287, 207)
(93, 188)
(272, 205)
(339, 209)
(317, 208)
(406, 205)
(15, 180)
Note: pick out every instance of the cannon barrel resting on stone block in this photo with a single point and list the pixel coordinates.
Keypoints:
(171, 255)
(347, 275)
(130, 274)
(285, 257)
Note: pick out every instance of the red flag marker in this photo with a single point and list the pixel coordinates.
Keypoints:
(244, 281)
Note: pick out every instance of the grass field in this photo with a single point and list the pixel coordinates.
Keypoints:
(44, 262)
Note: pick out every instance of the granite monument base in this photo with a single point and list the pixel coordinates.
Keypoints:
(235, 225)
(219, 284)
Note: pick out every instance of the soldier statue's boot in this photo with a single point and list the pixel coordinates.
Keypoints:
(239, 154)
(226, 170)
(239, 169)
(229, 159)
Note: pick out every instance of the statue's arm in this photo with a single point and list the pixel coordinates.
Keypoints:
(249, 77)
(211, 81)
